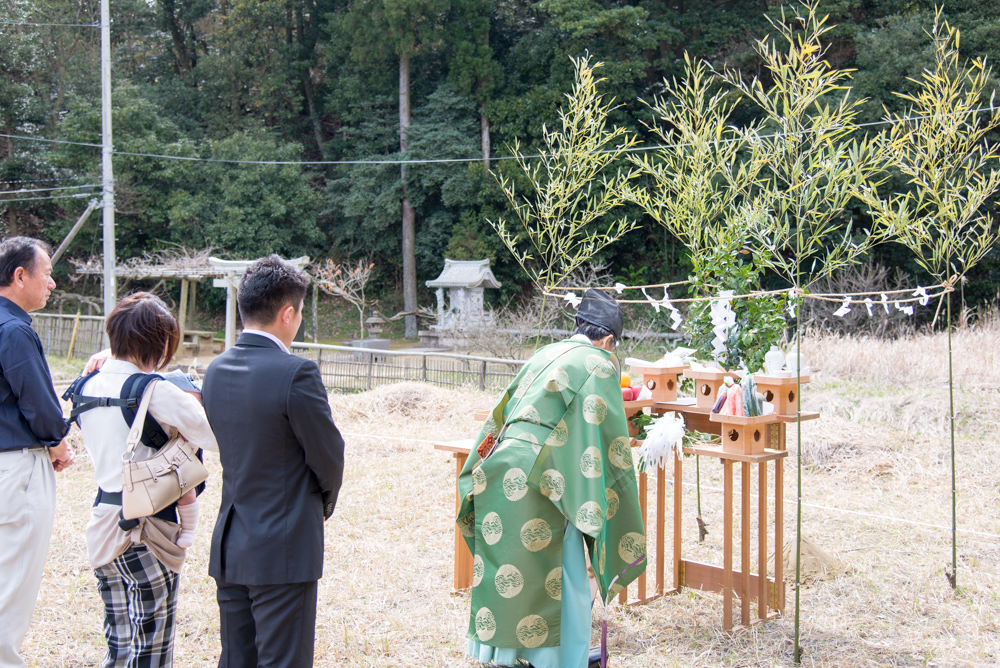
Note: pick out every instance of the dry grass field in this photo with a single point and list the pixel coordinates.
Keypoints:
(875, 492)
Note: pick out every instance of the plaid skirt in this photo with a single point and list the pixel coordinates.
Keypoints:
(140, 606)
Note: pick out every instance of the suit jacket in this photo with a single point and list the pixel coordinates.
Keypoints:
(282, 464)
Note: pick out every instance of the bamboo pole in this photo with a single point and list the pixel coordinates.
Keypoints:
(951, 419)
(72, 339)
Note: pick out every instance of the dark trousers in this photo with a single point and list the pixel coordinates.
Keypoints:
(267, 626)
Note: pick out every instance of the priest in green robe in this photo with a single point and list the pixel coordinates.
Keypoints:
(557, 481)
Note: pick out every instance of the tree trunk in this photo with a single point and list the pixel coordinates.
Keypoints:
(12, 223)
(184, 60)
(484, 135)
(307, 90)
(409, 226)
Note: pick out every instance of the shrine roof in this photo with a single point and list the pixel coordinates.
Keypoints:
(465, 274)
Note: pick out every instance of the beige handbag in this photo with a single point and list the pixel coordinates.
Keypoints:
(150, 485)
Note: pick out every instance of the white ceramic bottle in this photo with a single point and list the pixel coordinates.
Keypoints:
(774, 359)
(795, 363)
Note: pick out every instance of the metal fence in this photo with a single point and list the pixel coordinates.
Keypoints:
(56, 332)
(353, 369)
(342, 367)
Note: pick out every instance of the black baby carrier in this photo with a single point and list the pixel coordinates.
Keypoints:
(153, 435)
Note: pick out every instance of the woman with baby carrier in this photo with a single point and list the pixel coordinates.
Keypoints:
(137, 562)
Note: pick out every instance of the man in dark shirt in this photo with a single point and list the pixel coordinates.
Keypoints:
(31, 440)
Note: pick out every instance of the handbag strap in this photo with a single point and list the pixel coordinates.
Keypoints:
(135, 433)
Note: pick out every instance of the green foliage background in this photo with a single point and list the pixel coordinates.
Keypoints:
(314, 80)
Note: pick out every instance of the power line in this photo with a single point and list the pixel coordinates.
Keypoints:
(38, 190)
(51, 141)
(424, 161)
(67, 25)
(636, 149)
(38, 199)
(53, 180)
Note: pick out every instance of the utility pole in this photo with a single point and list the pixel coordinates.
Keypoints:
(108, 179)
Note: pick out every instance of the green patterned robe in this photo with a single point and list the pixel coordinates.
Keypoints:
(565, 456)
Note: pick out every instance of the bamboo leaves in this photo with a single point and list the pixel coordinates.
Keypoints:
(814, 168)
(698, 179)
(939, 144)
(559, 225)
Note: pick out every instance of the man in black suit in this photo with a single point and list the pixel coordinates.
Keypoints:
(282, 465)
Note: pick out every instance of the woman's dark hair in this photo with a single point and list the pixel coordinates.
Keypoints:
(142, 329)
(20, 252)
(269, 285)
(592, 331)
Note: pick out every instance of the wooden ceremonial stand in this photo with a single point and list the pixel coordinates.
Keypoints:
(748, 442)
(463, 558)
(663, 383)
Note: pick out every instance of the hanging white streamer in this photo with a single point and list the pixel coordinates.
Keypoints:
(868, 305)
(922, 293)
(844, 309)
(573, 300)
(885, 303)
(655, 304)
(619, 287)
(791, 302)
(908, 310)
(675, 315)
(723, 320)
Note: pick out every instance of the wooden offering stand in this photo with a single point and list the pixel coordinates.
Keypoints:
(707, 384)
(661, 381)
(780, 391)
(742, 435)
(747, 441)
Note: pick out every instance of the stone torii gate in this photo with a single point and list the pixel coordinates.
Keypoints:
(189, 268)
(231, 274)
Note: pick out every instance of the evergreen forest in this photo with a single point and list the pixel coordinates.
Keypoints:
(257, 126)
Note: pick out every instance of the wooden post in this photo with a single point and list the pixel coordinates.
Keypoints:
(745, 544)
(779, 532)
(463, 558)
(72, 341)
(482, 375)
(423, 373)
(644, 508)
(678, 498)
(192, 299)
(727, 546)
(661, 524)
(371, 360)
(182, 310)
(762, 597)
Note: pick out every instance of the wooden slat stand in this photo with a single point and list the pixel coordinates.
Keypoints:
(730, 580)
(767, 592)
(643, 593)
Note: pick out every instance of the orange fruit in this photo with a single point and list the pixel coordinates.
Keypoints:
(626, 380)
